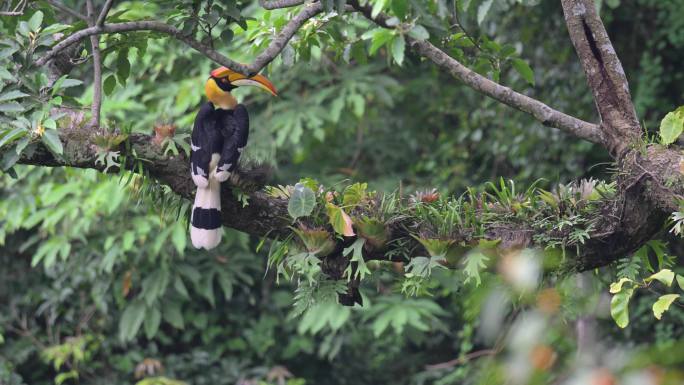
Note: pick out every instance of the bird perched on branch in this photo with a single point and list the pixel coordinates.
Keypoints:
(218, 137)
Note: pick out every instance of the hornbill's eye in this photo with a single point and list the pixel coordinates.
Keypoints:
(224, 80)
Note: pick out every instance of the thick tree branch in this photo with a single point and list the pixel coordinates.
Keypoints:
(540, 111)
(270, 53)
(621, 225)
(277, 4)
(605, 75)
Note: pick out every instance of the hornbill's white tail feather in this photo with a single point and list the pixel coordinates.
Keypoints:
(205, 221)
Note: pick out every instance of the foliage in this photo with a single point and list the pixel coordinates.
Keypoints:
(98, 283)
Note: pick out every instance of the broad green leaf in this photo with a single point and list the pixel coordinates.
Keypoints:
(524, 70)
(5, 74)
(11, 107)
(378, 6)
(671, 128)
(400, 8)
(398, 47)
(663, 303)
(302, 201)
(152, 321)
(131, 320)
(619, 307)
(380, 37)
(419, 32)
(11, 136)
(482, 10)
(356, 251)
(109, 84)
(340, 221)
(11, 95)
(680, 281)
(35, 21)
(616, 287)
(123, 67)
(173, 315)
(665, 276)
(51, 139)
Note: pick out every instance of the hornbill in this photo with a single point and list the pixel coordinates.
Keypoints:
(218, 137)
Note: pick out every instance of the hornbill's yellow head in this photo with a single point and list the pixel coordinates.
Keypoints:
(223, 80)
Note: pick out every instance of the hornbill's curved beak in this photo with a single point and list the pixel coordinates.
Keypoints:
(238, 79)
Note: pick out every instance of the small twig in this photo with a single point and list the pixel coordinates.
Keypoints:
(61, 7)
(263, 59)
(17, 11)
(97, 65)
(462, 360)
(103, 13)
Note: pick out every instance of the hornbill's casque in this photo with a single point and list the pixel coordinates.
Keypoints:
(218, 137)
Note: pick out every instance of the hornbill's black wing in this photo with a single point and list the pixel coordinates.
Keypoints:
(203, 144)
(235, 129)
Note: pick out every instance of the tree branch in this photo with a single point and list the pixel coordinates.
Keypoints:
(620, 225)
(277, 4)
(605, 75)
(270, 53)
(284, 36)
(540, 111)
(103, 13)
(97, 66)
(61, 7)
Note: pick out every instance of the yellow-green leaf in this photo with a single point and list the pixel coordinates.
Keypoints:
(663, 303)
(616, 287)
(619, 307)
(671, 127)
(665, 276)
(340, 221)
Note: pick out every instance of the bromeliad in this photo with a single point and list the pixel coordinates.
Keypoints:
(218, 138)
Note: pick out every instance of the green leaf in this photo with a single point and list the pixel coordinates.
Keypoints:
(680, 281)
(179, 237)
(11, 95)
(131, 320)
(35, 21)
(356, 251)
(419, 32)
(398, 47)
(473, 262)
(380, 37)
(400, 8)
(51, 139)
(482, 10)
(616, 287)
(671, 127)
(378, 6)
(524, 70)
(172, 314)
(354, 194)
(619, 307)
(665, 276)
(5, 74)
(340, 221)
(11, 107)
(663, 303)
(123, 67)
(302, 201)
(109, 84)
(12, 136)
(152, 321)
